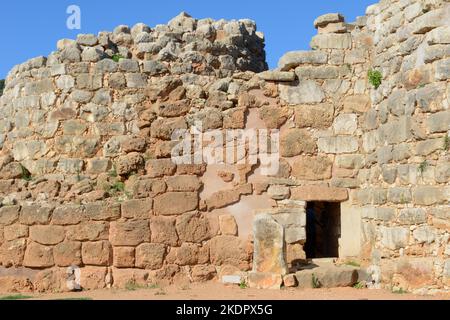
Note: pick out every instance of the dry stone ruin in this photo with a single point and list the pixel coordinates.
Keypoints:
(91, 196)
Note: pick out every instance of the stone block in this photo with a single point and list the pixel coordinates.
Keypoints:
(425, 234)
(150, 256)
(328, 18)
(175, 203)
(38, 256)
(137, 208)
(163, 231)
(278, 76)
(68, 215)
(378, 213)
(307, 91)
(428, 195)
(394, 237)
(273, 116)
(345, 124)
(47, 235)
(331, 41)
(278, 192)
(93, 278)
(129, 233)
(412, 216)
(97, 253)
(357, 103)
(296, 141)
(102, 211)
(268, 246)
(67, 253)
(338, 144)
(229, 250)
(319, 193)
(228, 225)
(314, 116)
(438, 122)
(293, 59)
(192, 228)
(160, 168)
(187, 183)
(88, 231)
(312, 168)
(35, 214)
(9, 214)
(124, 257)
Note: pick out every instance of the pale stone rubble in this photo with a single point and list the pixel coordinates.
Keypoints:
(86, 177)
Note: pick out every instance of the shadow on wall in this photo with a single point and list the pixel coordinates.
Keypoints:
(2, 86)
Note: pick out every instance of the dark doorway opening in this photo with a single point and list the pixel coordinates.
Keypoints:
(323, 229)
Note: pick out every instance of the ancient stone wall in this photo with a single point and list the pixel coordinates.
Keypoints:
(87, 178)
(405, 183)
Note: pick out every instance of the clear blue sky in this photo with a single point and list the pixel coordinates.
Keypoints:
(32, 28)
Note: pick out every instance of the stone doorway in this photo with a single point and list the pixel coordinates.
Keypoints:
(323, 229)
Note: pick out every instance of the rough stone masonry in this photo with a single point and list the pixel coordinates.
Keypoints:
(87, 180)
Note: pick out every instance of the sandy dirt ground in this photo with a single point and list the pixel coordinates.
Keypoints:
(217, 291)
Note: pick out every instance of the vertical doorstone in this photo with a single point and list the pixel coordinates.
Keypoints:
(268, 246)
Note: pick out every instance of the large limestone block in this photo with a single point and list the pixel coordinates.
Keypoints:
(429, 195)
(314, 116)
(279, 76)
(268, 246)
(327, 277)
(331, 41)
(307, 91)
(129, 233)
(357, 103)
(394, 237)
(175, 203)
(312, 168)
(338, 144)
(431, 20)
(297, 141)
(328, 18)
(319, 193)
(38, 256)
(293, 59)
(231, 251)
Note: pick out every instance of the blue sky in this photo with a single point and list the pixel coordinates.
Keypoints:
(32, 28)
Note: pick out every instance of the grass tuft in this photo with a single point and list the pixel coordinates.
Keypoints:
(117, 56)
(375, 78)
(16, 297)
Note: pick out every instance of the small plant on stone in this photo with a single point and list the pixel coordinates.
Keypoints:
(402, 199)
(131, 285)
(78, 177)
(16, 297)
(359, 285)
(375, 78)
(2, 86)
(243, 284)
(446, 142)
(352, 263)
(160, 293)
(422, 167)
(399, 291)
(26, 175)
(117, 187)
(315, 282)
(113, 172)
(117, 56)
